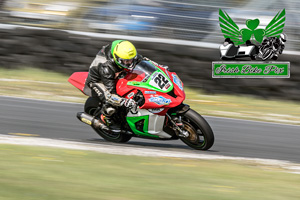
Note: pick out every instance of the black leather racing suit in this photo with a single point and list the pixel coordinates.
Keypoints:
(101, 81)
(104, 70)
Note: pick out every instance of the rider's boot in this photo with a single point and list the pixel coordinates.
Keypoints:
(110, 124)
(99, 124)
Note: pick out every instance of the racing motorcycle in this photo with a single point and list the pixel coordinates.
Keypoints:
(270, 49)
(160, 112)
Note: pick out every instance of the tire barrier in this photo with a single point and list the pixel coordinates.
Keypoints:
(67, 53)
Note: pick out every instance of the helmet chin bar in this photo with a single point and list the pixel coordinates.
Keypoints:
(126, 63)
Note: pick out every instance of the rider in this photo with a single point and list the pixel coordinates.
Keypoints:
(282, 40)
(277, 42)
(111, 62)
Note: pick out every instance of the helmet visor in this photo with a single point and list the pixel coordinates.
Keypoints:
(126, 63)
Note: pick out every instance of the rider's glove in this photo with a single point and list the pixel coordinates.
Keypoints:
(128, 103)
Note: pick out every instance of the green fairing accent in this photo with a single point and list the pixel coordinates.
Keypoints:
(132, 120)
(148, 86)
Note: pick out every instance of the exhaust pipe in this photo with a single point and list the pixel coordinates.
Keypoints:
(90, 120)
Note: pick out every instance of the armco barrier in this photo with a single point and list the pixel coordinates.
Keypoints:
(65, 52)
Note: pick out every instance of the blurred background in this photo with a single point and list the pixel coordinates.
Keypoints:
(194, 20)
(65, 35)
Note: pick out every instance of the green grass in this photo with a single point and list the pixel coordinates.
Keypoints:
(234, 106)
(48, 85)
(31, 173)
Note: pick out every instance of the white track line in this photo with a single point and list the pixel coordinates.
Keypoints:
(148, 152)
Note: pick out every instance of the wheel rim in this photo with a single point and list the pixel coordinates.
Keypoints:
(195, 138)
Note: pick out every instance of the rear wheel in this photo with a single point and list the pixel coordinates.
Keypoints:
(201, 136)
(113, 137)
(91, 104)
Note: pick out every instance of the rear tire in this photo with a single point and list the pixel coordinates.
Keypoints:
(113, 137)
(91, 104)
(201, 135)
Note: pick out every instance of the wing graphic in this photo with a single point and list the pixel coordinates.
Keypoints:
(229, 28)
(275, 27)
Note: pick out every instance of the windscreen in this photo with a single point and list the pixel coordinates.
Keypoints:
(147, 75)
(144, 67)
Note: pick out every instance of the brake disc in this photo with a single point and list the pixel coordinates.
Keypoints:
(193, 136)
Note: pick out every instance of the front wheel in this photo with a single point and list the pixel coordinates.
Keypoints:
(267, 54)
(201, 136)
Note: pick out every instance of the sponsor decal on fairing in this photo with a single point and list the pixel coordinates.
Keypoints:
(160, 100)
(150, 92)
(177, 81)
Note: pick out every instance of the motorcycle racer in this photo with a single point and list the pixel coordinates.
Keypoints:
(161, 113)
(111, 63)
(277, 43)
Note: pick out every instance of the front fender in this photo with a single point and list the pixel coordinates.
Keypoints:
(179, 110)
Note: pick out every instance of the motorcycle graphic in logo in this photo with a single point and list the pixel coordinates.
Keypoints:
(260, 43)
(252, 41)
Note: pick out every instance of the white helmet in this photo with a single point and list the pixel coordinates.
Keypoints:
(283, 37)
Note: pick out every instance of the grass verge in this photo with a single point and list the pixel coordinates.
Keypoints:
(54, 86)
(46, 173)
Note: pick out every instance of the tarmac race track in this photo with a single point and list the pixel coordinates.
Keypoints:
(238, 138)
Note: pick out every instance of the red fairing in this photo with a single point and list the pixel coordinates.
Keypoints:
(78, 80)
(169, 100)
(172, 101)
(123, 89)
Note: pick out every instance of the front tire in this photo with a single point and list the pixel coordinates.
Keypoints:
(267, 54)
(201, 135)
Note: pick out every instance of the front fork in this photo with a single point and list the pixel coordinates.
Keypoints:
(178, 126)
